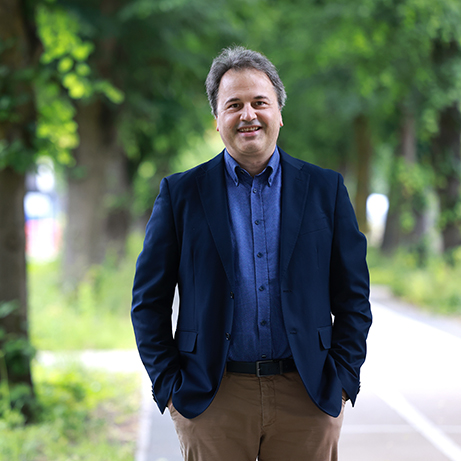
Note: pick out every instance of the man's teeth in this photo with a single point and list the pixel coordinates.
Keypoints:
(249, 129)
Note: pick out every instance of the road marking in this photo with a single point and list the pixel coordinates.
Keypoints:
(391, 429)
(420, 423)
(377, 429)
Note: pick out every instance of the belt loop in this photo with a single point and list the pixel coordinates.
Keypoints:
(258, 369)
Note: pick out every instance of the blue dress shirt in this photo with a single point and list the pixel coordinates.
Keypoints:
(258, 331)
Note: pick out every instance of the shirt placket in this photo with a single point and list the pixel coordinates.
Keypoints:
(261, 268)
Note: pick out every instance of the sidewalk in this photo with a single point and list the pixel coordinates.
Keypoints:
(410, 402)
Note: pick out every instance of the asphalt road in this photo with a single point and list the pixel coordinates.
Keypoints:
(409, 408)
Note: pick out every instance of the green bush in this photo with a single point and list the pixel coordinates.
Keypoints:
(433, 283)
(84, 415)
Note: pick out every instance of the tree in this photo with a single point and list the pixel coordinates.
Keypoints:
(18, 63)
(408, 185)
(66, 56)
(446, 147)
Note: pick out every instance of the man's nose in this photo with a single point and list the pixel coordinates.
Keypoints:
(248, 113)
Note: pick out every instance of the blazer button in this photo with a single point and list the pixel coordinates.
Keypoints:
(228, 336)
(232, 295)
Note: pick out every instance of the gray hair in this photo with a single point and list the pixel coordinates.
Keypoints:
(239, 58)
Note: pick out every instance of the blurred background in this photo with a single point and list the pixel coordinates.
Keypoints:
(100, 99)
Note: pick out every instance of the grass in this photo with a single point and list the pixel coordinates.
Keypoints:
(94, 316)
(84, 415)
(433, 284)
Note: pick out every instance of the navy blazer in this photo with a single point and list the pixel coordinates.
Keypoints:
(323, 279)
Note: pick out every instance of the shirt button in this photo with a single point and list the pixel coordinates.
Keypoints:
(259, 255)
(232, 295)
(254, 191)
(263, 323)
(263, 356)
(228, 336)
(257, 222)
(261, 288)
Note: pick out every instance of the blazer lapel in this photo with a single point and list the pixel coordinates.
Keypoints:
(212, 188)
(295, 185)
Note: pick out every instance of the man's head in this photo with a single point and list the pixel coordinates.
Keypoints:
(247, 96)
(239, 58)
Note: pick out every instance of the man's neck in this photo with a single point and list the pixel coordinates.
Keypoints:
(253, 165)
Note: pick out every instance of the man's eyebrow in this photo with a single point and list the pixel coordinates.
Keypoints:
(230, 100)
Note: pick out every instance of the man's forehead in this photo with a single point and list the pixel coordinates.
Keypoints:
(246, 80)
(250, 72)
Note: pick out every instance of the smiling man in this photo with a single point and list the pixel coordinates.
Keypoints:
(273, 284)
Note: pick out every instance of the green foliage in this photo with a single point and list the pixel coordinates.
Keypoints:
(432, 283)
(16, 153)
(450, 216)
(17, 128)
(60, 32)
(65, 75)
(16, 353)
(82, 417)
(56, 128)
(94, 316)
(200, 149)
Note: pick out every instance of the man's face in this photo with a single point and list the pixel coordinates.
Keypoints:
(248, 116)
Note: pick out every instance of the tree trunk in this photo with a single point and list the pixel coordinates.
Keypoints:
(416, 199)
(17, 33)
(403, 197)
(85, 204)
(446, 158)
(119, 194)
(99, 194)
(364, 151)
(16, 352)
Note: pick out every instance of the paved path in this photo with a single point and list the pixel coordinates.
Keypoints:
(410, 405)
(409, 408)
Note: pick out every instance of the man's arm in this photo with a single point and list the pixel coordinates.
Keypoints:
(349, 293)
(153, 291)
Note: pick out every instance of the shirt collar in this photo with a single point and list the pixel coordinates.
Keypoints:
(232, 167)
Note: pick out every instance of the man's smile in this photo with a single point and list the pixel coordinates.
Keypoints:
(248, 129)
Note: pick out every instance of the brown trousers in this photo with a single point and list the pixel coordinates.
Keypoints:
(270, 419)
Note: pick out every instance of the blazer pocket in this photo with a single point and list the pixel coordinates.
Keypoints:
(186, 340)
(314, 225)
(325, 334)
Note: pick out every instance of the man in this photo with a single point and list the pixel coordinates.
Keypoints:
(273, 287)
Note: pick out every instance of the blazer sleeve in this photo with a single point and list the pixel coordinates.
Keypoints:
(153, 292)
(349, 294)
